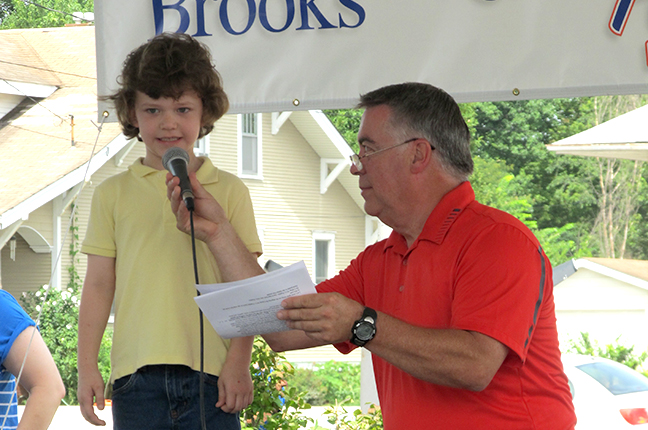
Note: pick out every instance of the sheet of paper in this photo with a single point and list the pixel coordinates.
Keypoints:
(249, 307)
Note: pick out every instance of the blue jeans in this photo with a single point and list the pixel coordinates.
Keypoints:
(167, 397)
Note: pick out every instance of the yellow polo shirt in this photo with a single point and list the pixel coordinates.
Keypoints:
(156, 317)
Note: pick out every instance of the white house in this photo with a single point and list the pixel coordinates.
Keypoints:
(605, 297)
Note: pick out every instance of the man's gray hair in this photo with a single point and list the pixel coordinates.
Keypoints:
(433, 114)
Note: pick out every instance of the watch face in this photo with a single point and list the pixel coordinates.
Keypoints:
(364, 331)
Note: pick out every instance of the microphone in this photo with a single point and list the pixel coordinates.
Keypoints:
(176, 160)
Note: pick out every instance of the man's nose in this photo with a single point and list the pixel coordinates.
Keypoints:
(354, 170)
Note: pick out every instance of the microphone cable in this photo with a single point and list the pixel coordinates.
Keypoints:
(201, 382)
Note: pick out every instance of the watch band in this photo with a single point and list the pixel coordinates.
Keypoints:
(364, 329)
(368, 312)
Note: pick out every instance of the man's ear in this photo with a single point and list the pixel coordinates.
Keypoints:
(422, 156)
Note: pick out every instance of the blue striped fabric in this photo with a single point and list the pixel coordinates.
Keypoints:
(13, 321)
(8, 409)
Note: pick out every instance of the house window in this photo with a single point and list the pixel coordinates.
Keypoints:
(323, 255)
(250, 145)
(201, 147)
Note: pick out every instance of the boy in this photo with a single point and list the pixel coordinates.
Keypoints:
(170, 96)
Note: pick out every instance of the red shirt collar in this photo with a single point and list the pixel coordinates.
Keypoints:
(440, 220)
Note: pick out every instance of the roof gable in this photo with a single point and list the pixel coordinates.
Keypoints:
(331, 147)
(625, 137)
(633, 272)
(44, 143)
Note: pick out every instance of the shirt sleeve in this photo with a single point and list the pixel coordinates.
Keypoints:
(500, 286)
(13, 321)
(100, 235)
(242, 219)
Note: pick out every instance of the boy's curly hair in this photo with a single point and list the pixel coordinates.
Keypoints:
(166, 66)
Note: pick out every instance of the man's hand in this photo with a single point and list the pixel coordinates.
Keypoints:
(325, 318)
(208, 214)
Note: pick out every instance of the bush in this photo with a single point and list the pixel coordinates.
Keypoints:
(337, 415)
(59, 319)
(275, 405)
(614, 351)
(328, 382)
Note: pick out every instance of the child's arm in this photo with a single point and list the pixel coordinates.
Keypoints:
(235, 388)
(96, 300)
(39, 376)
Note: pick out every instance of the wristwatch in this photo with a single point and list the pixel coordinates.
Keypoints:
(364, 329)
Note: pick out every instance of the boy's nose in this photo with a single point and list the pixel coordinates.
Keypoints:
(168, 121)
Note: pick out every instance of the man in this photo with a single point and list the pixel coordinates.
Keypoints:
(456, 305)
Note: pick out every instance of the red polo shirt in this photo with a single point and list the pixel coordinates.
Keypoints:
(472, 268)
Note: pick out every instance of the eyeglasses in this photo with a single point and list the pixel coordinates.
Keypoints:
(356, 159)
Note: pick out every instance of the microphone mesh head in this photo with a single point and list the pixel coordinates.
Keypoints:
(172, 154)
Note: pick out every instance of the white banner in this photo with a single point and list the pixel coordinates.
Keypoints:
(279, 55)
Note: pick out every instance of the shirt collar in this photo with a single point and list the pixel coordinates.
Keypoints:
(140, 170)
(207, 173)
(440, 220)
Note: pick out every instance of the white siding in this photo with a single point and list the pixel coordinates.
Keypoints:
(28, 272)
(604, 307)
(287, 202)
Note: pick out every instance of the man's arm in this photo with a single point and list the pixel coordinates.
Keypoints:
(233, 259)
(96, 300)
(290, 341)
(449, 357)
(39, 376)
(454, 358)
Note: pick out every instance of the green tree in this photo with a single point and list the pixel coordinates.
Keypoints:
(328, 383)
(517, 132)
(308, 382)
(638, 230)
(347, 122)
(6, 8)
(341, 380)
(40, 14)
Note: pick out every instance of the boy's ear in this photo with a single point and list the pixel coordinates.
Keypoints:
(132, 118)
